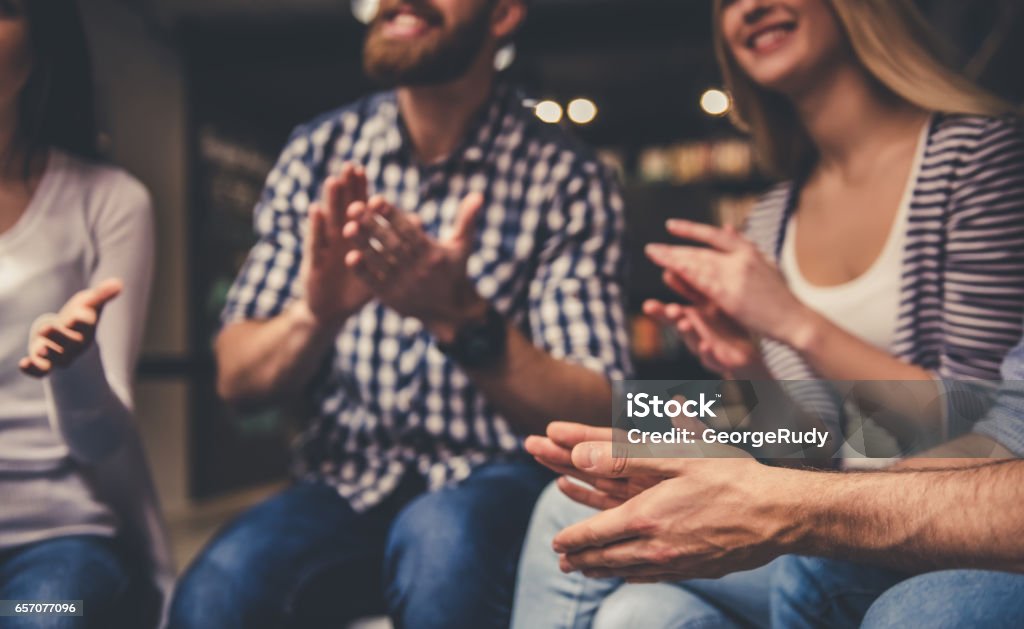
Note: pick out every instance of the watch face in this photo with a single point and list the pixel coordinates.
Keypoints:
(479, 346)
(482, 344)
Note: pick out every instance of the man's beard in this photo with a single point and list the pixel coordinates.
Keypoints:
(443, 58)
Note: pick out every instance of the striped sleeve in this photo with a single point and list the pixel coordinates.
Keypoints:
(817, 399)
(1005, 421)
(268, 279)
(577, 307)
(983, 280)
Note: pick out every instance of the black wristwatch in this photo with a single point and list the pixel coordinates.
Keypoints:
(479, 345)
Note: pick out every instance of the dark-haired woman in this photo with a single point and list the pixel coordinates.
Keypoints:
(78, 519)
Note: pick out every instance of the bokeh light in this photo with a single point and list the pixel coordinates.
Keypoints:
(715, 102)
(549, 111)
(365, 10)
(582, 111)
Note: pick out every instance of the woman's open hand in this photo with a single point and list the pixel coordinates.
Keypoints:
(733, 276)
(722, 345)
(62, 338)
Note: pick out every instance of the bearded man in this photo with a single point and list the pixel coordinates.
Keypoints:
(442, 272)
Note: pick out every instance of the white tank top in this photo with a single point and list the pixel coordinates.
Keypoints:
(867, 306)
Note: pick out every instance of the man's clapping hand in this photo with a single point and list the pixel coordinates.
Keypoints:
(706, 518)
(412, 273)
(555, 452)
(330, 290)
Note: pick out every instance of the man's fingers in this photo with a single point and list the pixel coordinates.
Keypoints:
(559, 459)
(720, 239)
(370, 268)
(388, 230)
(317, 242)
(638, 574)
(571, 472)
(409, 230)
(546, 449)
(359, 187)
(337, 197)
(569, 434)
(596, 458)
(600, 530)
(623, 488)
(631, 554)
(586, 496)
(465, 222)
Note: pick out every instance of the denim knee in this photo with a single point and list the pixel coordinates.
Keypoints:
(655, 606)
(810, 592)
(451, 555)
(545, 596)
(74, 568)
(556, 511)
(206, 595)
(952, 598)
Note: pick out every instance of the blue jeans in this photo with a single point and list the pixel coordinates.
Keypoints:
(545, 597)
(951, 599)
(812, 592)
(86, 568)
(307, 559)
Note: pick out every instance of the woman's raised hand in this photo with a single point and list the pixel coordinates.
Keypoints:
(722, 345)
(732, 275)
(62, 338)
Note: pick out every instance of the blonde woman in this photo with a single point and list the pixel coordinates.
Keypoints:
(893, 252)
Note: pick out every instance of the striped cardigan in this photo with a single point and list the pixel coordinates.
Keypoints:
(962, 296)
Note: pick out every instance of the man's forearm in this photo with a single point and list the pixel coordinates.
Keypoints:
(916, 520)
(260, 362)
(530, 388)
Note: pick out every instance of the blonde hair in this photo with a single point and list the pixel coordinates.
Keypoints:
(892, 42)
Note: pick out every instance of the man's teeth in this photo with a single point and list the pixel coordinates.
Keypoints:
(406, 20)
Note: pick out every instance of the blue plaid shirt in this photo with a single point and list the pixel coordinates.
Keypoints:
(548, 256)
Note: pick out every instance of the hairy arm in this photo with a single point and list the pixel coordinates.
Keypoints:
(530, 387)
(262, 362)
(917, 520)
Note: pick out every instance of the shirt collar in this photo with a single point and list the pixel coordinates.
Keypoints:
(478, 141)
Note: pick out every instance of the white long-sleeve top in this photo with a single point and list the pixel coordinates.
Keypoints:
(70, 459)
